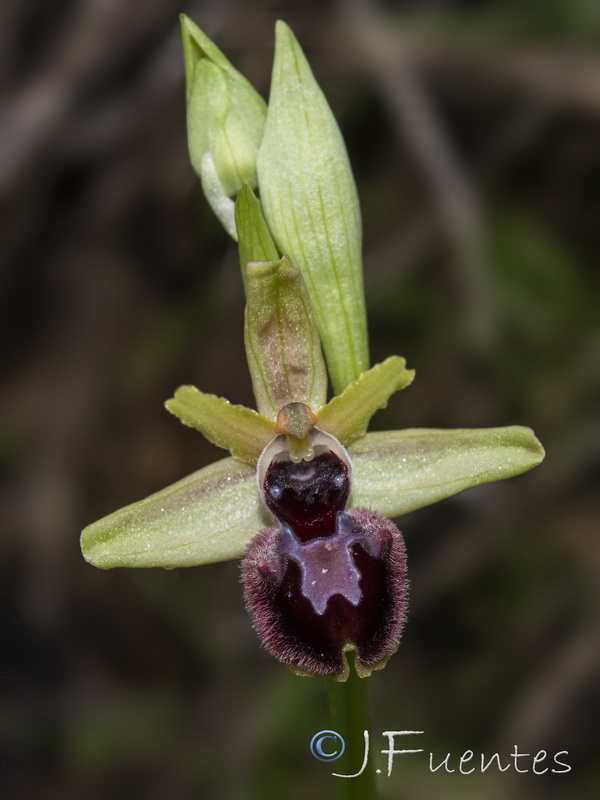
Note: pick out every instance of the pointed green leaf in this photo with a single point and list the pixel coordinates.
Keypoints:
(282, 342)
(347, 416)
(209, 516)
(398, 471)
(254, 238)
(311, 207)
(236, 428)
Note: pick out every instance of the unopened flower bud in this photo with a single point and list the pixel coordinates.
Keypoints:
(225, 119)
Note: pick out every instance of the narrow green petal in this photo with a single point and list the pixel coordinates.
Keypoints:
(347, 416)
(282, 342)
(398, 471)
(254, 238)
(209, 516)
(236, 428)
(311, 206)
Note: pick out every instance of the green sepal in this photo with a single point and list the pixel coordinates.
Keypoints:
(311, 206)
(282, 342)
(235, 428)
(255, 242)
(209, 516)
(213, 514)
(395, 472)
(347, 416)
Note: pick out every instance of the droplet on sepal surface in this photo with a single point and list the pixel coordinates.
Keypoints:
(325, 580)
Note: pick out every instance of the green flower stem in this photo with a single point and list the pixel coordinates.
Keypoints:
(350, 717)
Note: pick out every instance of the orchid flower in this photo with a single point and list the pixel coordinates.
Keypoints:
(307, 492)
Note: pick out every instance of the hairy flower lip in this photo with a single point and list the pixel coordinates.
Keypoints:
(325, 580)
(315, 642)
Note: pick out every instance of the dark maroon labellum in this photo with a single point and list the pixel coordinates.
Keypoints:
(308, 495)
(325, 580)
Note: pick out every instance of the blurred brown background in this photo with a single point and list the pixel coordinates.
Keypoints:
(474, 131)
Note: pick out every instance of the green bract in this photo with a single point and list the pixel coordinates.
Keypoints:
(311, 206)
